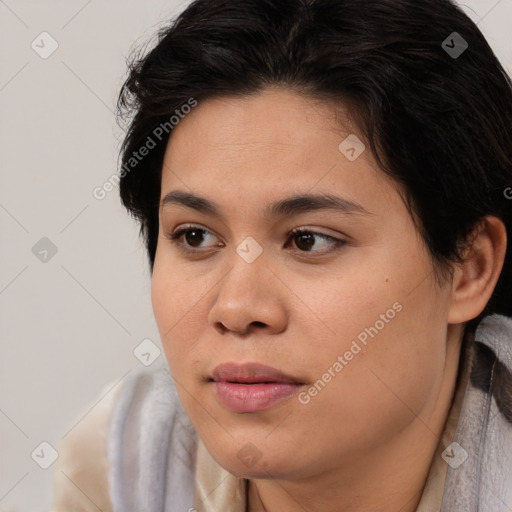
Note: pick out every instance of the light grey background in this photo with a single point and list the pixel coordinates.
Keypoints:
(69, 325)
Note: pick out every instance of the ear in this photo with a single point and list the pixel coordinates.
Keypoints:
(474, 280)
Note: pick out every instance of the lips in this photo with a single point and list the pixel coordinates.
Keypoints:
(250, 373)
(252, 387)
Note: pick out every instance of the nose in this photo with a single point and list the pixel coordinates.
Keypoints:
(249, 297)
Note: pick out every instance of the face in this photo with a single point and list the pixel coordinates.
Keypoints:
(346, 310)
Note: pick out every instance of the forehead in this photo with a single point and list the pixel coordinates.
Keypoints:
(271, 144)
(275, 116)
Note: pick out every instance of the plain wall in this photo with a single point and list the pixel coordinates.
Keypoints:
(69, 325)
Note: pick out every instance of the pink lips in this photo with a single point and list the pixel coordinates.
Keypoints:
(251, 387)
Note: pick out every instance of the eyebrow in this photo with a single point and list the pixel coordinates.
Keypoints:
(293, 205)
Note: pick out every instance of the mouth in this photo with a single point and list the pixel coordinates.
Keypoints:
(251, 373)
(252, 387)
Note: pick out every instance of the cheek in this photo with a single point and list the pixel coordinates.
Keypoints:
(387, 384)
(385, 347)
(176, 308)
(163, 298)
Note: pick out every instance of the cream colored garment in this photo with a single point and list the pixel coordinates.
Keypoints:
(81, 471)
(80, 481)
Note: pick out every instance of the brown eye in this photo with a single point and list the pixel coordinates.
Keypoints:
(193, 237)
(190, 238)
(305, 240)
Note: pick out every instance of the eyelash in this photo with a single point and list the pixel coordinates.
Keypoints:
(176, 237)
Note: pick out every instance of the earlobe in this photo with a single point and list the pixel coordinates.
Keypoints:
(475, 279)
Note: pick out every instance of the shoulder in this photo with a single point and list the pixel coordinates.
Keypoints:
(151, 443)
(124, 447)
(80, 475)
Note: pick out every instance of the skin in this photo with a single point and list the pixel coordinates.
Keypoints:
(366, 441)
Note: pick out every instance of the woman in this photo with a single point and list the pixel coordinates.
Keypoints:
(323, 188)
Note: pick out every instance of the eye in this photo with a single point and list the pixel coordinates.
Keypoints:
(193, 236)
(305, 240)
(190, 238)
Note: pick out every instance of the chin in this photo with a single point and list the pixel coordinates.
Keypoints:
(245, 460)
